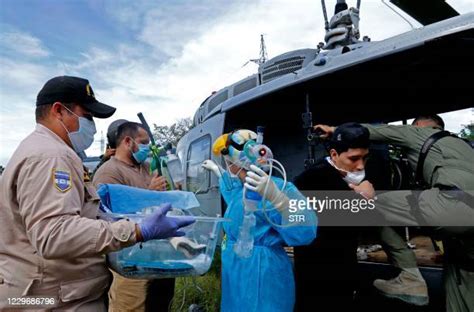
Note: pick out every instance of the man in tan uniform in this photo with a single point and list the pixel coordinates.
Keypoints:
(51, 244)
(128, 167)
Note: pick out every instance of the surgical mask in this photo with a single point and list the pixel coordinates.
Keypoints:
(355, 177)
(142, 153)
(83, 138)
(230, 179)
(229, 163)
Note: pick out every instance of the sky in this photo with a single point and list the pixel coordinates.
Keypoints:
(162, 57)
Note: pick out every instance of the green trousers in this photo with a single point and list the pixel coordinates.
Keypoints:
(441, 211)
(399, 254)
(459, 286)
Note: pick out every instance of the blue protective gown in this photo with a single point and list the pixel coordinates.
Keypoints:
(264, 281)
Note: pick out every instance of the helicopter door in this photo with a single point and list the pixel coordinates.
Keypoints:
(198, 180)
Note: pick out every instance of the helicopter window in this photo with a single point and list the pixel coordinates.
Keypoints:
(197, 178)
(217, 99)
(245, 85)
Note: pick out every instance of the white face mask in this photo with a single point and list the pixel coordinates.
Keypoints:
(355, 177)
(229, 163)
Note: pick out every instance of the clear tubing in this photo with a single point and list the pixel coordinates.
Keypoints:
(244, 244)
(264, 206)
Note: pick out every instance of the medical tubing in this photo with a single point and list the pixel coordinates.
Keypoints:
(282, 173)
(264, 206)
(248, 223)
(244, 244)
(245, 240)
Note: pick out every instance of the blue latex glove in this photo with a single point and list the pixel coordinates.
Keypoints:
(158, 225)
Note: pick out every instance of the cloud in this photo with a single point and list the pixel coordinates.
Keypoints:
(166, 28)
(21, 75)
(172, 56)
(20, 83)
(462, 6)
(455, 121)
(24, 44)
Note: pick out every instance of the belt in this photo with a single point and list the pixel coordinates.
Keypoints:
(459, 194)
(447, 187)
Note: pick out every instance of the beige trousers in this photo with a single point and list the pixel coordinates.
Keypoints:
(127, 294)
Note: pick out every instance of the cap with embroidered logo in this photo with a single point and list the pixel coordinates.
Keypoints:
(77, 90)
(349, 135)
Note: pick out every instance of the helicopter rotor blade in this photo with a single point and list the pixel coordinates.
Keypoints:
(426, 11)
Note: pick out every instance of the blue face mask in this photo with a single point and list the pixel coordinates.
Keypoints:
(83, 138)
(142, 154)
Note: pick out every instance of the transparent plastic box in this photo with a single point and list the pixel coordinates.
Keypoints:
(189, 255)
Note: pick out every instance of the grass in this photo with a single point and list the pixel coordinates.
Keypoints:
(204, 291)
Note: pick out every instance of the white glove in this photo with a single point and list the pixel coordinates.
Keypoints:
(212, 166)
(256, 180)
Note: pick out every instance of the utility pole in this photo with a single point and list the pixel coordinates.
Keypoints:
(102, 142)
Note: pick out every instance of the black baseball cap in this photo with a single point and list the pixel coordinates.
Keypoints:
(350, 135)
(69, 89)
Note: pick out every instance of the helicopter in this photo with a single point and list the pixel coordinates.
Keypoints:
(346, 78)
(422, 71)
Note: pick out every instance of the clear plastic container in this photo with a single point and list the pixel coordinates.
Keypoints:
(189, 255)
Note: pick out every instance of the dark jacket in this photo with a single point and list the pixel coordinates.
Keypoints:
(325, 270)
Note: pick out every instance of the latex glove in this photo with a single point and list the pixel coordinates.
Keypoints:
(211, 166)
(158, 225)
(257, 179)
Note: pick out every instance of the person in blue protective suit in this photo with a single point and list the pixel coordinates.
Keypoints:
(262, 280)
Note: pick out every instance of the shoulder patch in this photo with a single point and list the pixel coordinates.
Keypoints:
(62, 180)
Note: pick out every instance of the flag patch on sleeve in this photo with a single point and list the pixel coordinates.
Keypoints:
(62, 180)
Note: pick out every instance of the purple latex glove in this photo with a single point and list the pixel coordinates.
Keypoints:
(158, 225)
